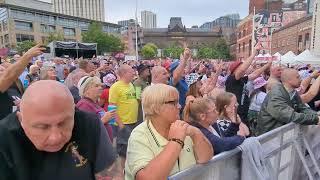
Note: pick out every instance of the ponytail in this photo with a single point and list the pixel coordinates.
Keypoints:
(194, 107)
(186, 111)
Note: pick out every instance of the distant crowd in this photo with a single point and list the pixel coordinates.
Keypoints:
(103, 118)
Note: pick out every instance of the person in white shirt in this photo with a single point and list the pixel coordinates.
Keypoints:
(257, 97)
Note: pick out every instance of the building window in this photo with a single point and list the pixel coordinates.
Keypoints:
(306, 39)
(69, 31)
(239, 50)
(47, 28)
(243, 46)
(300, 39)
(274, 18)
(43, 28)
(5, 25)
(6, 38)
(250, 47)
(23, 26)
(51, 29)
(24, 37)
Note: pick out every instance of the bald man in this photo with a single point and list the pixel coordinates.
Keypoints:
(159, 75)
(122, 94)
(49, 139)
(283, 105)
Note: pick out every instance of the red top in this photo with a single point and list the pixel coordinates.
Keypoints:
(105, 96)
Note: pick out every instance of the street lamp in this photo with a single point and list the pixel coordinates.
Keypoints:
(136, 24)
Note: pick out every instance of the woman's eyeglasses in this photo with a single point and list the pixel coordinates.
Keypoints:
(175, 103)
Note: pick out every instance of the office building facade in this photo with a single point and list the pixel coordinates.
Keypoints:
(89, 9)
(148, 19)
(19, 24)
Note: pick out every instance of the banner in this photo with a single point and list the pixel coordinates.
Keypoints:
(264, 24)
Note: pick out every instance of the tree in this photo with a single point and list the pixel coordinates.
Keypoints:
(149, 51)
(24, 46)
(222, 48)
(56, 36)
(106, 43)
(205, 53)
(218, 50)
(173, 52)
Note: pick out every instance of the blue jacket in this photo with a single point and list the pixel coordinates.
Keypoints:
(223, 143)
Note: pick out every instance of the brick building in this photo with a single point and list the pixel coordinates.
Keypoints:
(270, 15)
(244, 38)
(295, 37)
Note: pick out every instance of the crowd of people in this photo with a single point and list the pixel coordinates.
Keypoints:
(103, 118)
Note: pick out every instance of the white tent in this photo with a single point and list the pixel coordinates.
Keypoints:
(277, 56)
(306, 57)
(288, 58)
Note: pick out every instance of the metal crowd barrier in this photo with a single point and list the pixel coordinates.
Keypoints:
(294, 152)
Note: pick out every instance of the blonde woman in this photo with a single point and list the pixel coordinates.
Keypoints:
(164, 145)
(201, 113)
(229, 122)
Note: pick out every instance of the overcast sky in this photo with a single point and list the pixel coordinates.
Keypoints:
(193, 12)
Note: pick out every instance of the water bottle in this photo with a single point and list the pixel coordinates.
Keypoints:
(25, 83)
(112, 108)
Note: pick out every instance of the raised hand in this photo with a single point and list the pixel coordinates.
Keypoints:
(34, 51)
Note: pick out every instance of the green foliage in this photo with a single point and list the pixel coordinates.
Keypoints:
(173, 52)
(56, 36)
(107, 43)
(24, 46)
(219, 50)
(149, 51)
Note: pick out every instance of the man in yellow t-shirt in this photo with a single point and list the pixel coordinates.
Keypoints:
(123, 95)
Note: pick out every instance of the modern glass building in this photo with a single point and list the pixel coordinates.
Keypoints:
(20, 23)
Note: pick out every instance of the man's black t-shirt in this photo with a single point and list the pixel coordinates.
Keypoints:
(88, 152)
(7, 99)
(238, 87)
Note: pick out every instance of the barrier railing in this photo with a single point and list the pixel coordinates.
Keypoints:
(286, 147)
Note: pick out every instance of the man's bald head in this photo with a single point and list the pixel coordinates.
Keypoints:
(287, 74)
(126, 73)
(47, 91)
(123, 69)
(276, 71)
(47, 115)
(159, 75)
(290, 77)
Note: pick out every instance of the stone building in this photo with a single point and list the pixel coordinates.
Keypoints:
(178, 34)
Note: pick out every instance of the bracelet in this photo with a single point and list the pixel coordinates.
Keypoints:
(177, 141)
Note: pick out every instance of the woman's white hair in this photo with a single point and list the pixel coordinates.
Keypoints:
(44, 72)
(86, 82)
(156, 95)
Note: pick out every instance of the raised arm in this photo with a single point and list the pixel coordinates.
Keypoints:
(259, 71)
(306, 82)
(179, 72)
(211, 83)
(241, 70)
(10, 74)
(312, 92)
